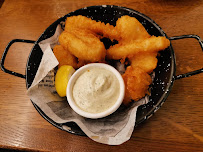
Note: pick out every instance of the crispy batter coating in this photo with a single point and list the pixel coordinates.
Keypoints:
(131, 29)
(80, 44)
(99, 28)
(83, 44)
(64, 56)
(137, 83)
(145, 61)
(129, 49)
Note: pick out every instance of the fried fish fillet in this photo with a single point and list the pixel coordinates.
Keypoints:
(83, 44)
(131, 29)
(99, 28)
(145, 61)
(129, 49)
(64, 56)
(137, 83)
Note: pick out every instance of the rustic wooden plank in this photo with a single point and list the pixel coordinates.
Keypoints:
(177, 126)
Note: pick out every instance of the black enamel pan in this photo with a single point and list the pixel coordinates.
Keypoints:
(164, 73)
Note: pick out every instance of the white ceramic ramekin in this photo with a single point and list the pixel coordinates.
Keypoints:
(74, 77)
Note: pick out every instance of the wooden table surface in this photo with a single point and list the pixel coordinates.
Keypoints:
(176, 126)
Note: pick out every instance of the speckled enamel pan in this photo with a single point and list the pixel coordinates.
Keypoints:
(164, 73)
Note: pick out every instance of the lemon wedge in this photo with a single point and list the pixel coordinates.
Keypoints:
(62, 77)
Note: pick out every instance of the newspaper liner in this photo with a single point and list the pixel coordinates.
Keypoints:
(112, 130)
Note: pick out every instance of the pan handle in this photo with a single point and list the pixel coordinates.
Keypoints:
(4, 57)
(201, 44)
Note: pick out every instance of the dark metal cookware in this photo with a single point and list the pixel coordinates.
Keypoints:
(164, 73)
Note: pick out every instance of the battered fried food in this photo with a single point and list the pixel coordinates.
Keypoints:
(81, 39)
(83, 44)
(129, 49)
(137, 82)
(99, 28)
(64, 56)
(141, 49)
(145, 61)
(130, 29)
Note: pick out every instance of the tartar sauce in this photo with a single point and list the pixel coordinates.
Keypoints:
(96, 90)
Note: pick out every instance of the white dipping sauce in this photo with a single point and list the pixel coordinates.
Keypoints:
(96, 90)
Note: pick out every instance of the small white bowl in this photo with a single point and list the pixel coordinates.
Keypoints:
(75, 76)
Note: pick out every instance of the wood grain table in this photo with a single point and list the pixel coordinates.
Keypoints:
(176, 126)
